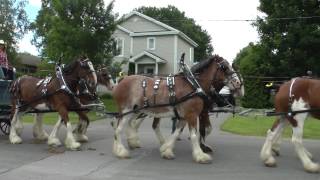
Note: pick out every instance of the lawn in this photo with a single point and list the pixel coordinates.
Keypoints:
(258, 126)
(51, 118)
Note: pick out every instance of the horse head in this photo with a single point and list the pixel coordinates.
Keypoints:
(104, 78)
(83, 71)
(220, 74)
(233, 79)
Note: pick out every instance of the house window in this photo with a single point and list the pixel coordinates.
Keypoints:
(119, 47)
(151, 43)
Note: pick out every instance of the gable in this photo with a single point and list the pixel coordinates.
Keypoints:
(138, 24)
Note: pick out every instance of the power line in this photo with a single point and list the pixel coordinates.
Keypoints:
(237, 20)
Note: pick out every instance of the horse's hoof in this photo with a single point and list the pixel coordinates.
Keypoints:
(168, 154)
(202, 158)
(120, 151)
(54, 142)
(73, 146)
(270, 162)
(205, 148)
(42, 137)
(312, 168)
(81, 138)
(15, 140)
(134, 143)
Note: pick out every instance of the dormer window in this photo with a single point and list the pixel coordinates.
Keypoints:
(151, 43)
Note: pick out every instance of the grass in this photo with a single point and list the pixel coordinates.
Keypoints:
(51, 118)
(258, 126)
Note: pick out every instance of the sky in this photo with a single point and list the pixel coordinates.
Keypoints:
(228, 37)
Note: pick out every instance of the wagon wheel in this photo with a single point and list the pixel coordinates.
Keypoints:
(5, 127)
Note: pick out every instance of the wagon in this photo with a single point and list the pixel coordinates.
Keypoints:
(5, 104)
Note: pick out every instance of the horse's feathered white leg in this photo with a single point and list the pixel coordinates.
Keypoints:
(38, 131)
(70, 141)
(297, 133)
(52, 139)
(13, 136)
(198, 155)
(157, 131)
(132, 132)
(278, 139)
(118, 148)
(166, 148)
(19, 125)
(272, 136)
(80, 131)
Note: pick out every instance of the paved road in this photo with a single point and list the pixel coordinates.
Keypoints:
(235, 157)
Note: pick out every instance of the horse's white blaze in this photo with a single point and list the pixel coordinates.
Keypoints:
(42, 106)
(53, 140)
(38, 131)
(297, 133)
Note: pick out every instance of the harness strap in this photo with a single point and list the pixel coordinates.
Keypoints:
(145, 99)
(156, 87)
(170, 84)
(291, 96)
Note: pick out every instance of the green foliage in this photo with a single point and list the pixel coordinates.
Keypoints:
(74, 28)
(249, 63)
(288, 46)
(45, 68)
(259, 125)
(13, 25)
(293, 43)
(172, 16)
(115, 68)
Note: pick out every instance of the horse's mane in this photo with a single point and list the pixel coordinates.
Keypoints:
(205, 63)
(70, 67)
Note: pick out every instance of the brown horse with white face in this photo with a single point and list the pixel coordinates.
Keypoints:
(104, 81)
(30, 93)
(204, 121)
(129, 96)
(299, 94)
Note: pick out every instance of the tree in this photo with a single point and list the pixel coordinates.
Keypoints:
(74, 28)
(291, 31)
(13, 25)
(248, 61)
(173, 17)
(289, 42)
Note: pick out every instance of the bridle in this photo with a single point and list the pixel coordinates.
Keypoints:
(83, 82)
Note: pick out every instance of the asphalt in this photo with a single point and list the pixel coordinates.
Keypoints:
(235, 157)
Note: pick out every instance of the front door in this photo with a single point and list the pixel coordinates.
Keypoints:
(148, 69)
